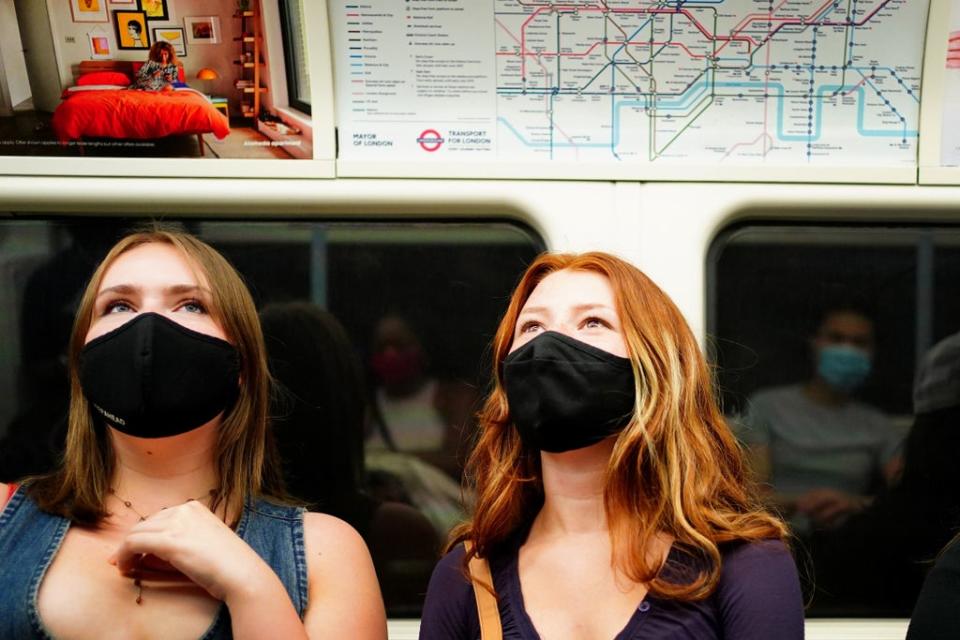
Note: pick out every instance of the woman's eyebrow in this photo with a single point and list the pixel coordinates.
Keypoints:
(120, 288)
(175, 289)
(532, 310)
(592, 307)
(179, 289)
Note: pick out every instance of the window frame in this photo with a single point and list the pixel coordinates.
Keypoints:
(290, 60)
(855, 627)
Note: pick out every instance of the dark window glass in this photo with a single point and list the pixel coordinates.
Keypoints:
(293, 28)
(823, 337)
(377, 334)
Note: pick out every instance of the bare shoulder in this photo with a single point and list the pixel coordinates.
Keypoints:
(328, 531)
(332, 545)
(344, 598)
(4, 494)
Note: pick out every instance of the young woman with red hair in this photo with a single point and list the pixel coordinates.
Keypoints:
(612, 498)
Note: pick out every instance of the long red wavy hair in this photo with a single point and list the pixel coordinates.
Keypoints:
(676, 469)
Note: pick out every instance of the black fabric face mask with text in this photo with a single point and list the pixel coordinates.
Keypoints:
(565, 394)
(153, 378)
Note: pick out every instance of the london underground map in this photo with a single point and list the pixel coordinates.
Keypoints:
(737, 82)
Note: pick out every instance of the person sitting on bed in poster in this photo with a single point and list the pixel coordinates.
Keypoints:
(160, 70)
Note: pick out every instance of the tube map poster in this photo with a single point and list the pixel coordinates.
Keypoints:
(715, 82)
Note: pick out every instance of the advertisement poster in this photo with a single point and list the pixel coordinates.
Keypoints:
(949, 131)
(153, 79)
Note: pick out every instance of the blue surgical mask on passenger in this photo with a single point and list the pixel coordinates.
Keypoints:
(843, 367)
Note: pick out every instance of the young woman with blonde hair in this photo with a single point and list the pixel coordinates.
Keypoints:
(163, 520)
(612, 498)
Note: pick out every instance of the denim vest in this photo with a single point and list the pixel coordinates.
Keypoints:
(29, 539)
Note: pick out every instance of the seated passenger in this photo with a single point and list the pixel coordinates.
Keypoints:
(415, 412)
(416, 425)
(822, 453)
(612, 499)
(878, 558)
(319, 416)
(166, 517)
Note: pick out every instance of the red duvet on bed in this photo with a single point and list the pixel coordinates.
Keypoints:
(133, 114)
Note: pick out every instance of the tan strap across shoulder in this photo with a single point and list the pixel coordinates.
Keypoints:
(487, 609)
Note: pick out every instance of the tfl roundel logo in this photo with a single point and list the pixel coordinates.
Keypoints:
(430, 140)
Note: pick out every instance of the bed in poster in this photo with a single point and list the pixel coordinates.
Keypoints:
(229, 98)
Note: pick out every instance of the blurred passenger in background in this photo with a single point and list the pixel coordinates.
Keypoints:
(822, 453)
(34, 439)
(415, 412)
(416, 426)
(879, 557)
(319, 415)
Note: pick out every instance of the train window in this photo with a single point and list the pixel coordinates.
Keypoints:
(838, 361)
(377, 334)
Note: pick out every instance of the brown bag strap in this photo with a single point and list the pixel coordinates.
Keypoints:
(487, 609)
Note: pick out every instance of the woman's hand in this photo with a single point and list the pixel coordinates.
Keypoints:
(188, 539)
(193, 541)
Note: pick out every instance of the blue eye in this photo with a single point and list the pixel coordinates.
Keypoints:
(118, 306)
(193, 306)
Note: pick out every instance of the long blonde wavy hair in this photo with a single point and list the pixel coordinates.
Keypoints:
(676, 468)
(245, 455)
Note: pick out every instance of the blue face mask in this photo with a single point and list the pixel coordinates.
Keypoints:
(842, 367)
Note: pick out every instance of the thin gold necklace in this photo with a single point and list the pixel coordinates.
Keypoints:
(137, 582)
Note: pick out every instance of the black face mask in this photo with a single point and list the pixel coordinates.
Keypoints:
(565, 394)
(153, 378)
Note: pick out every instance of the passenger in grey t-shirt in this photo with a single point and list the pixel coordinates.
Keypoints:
(822, 453)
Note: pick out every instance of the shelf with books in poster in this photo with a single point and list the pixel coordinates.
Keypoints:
(249, 61)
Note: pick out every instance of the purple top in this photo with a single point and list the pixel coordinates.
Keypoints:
(758, 598)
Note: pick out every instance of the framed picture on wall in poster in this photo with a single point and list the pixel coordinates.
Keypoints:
(131, 27)
(202, 29)
(89, 10)
(155, 9)
(173, 35)
(100, 46)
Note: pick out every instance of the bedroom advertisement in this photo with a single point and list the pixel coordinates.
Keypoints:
(208, 80)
